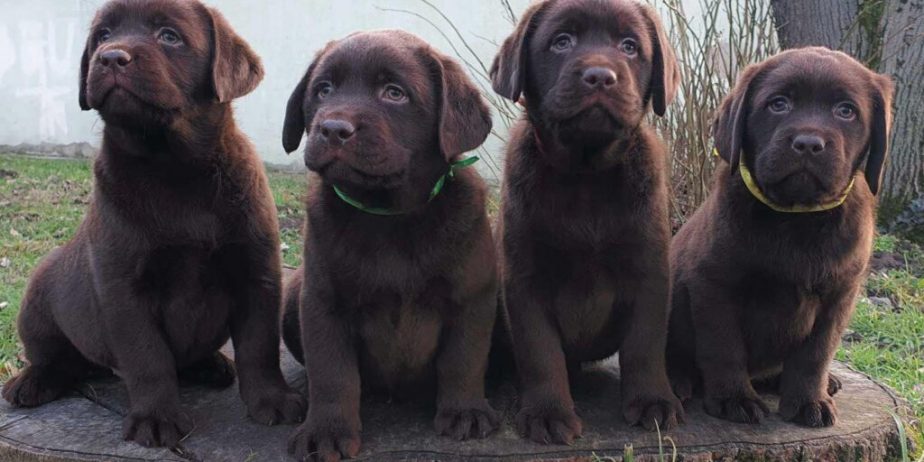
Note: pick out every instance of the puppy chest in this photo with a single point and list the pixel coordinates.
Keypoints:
(399, 343)
(585, 308)
(193, 297)
(777, 321)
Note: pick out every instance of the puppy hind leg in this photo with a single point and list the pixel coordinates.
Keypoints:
(684, 380)
(574, 371)
(682, 373)
(54, 364)
(215, 371)
(291, 306)
(501, 364)
(834, 384)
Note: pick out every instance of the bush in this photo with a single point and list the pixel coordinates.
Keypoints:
(711, 48)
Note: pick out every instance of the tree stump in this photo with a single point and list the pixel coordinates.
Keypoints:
(86, 425)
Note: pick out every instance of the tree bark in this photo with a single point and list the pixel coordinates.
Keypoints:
(887, 35)
(903, 59)
(830, 23)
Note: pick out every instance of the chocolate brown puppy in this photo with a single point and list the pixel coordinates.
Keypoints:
(399, 282)
(585, 228)
(179, 249)
(766, 273)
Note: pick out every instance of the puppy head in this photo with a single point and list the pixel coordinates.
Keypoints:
(588, 68)
(383, 110)
(149, 63)
(806, 120)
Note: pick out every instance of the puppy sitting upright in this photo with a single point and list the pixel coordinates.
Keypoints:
(767, 271)
(398, 289)
(179, 248)
(585, 208)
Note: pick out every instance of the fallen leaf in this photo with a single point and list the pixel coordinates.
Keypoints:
(15, 233)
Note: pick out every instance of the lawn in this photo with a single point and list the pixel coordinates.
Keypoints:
(42, 201)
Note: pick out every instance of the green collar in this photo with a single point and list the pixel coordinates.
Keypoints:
(437, 188)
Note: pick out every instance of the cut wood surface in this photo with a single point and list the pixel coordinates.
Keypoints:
(86, 425)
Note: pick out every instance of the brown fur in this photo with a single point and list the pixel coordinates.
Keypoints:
(179, 247)
(403, 304)
(585, 228)
(762, 295)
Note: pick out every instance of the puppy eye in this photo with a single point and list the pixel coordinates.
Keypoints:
(779, 105)
(563, 42)
(103, 35)
(845, 111)
(324, 89)
(169, 36)
(394, 93)
(629, 47)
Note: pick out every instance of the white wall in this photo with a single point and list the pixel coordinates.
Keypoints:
(41, 42)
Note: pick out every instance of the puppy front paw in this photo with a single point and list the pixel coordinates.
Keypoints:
(741, 407)
(809, 412)
(276, 405)
(325, 439)
(662, 412)
(549, 422)
(465, 421)
(156, 429)
(33, 387)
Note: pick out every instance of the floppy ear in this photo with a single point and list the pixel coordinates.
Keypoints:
(883, 90)
(508, 72)
(731, 118)
(665, 74)
(84, 71)
(236, 69)
(294, 126)
(465, 120)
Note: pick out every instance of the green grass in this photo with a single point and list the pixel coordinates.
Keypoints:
(43, 200)
(289, 192)
(886, 339)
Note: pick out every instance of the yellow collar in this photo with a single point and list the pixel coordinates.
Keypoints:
(748, 179)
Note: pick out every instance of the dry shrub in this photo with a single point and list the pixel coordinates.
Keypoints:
(711, 48)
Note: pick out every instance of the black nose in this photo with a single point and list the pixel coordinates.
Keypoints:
(599, 78)
(808, 144)
(337, 130)
(116, 57)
